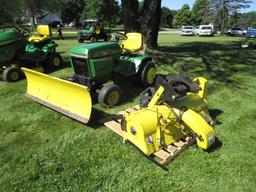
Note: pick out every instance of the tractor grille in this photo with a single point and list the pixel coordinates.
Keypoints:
(80, 66)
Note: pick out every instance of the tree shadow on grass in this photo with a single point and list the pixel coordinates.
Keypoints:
(214, 113)
(216, 61)
(215, 146)
(67, 37)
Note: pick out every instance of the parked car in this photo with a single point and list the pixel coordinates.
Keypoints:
(206, 30)
(251, 33)
(188, 30)
(244, 31)
(234, 31)
(197, 30)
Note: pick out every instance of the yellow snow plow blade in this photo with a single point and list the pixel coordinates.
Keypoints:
(69, 98)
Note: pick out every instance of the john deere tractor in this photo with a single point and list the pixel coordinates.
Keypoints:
(94, 66)
(18, 50)
(93, 30)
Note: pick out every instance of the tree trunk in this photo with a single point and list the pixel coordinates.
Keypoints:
(33, 17)
(147, 22)
(130, 11)
(151, 22)
(223, 17)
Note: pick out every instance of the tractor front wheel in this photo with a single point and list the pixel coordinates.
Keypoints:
(80, 40)
(109, 95)
(93, 39)
(12, 74)
(148, 74)
(54, 61)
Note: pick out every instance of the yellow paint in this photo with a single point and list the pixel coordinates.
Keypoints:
(203, 84)
(66, 97)
(133, 42)
(152, 128)
(113, 98)
(56, 61)
(151, 75)
(158, 125)
(199, 126)
(43, 32)
(97, 30)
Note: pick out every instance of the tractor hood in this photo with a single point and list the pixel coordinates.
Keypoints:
(96, 50)
(10, 36)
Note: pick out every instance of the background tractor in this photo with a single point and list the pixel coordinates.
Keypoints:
(94, 66)
(18, 50)
(93, 30)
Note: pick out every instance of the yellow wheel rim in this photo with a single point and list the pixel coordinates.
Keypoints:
(151, 75)
(56, 61)
(14, 76)
(113, 98)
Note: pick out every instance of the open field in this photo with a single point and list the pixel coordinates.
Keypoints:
(42, 150)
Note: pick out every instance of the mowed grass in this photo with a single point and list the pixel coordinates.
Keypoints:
(42, 150)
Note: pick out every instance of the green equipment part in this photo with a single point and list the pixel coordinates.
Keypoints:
(19, 49)
(94, 66)
(93, 30)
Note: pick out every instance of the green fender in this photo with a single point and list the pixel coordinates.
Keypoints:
(130, 64)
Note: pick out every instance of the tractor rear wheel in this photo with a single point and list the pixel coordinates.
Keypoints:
(109, 95)
(148, 74)
(12, 74)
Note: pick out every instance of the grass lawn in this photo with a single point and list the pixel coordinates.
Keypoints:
(42, 150)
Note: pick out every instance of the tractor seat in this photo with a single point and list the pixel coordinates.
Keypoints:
(97, 30)
(133, 43)
(43, 33)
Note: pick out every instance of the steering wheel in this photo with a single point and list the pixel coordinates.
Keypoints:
(117, 36)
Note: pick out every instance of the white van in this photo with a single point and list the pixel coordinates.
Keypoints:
(187, 30)
(206, 30)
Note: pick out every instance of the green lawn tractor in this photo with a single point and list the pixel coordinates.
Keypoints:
(18, 50)
(94, 67)
(93, 30)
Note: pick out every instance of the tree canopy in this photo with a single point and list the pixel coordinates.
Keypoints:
(167, 17)
(183, 16)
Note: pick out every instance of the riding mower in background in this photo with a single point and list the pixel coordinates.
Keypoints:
(94, 66)
(17, 50)
(93, 30)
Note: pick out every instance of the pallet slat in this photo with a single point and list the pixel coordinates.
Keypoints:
(171, 149)
(115, 126)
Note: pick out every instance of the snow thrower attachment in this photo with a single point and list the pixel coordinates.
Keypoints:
(170, 116)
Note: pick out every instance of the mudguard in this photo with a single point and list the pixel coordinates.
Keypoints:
(204, 132)
(66, 97)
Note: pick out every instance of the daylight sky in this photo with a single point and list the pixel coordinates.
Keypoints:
(177, 4)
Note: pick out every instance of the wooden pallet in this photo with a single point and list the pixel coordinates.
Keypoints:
(164, 156)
